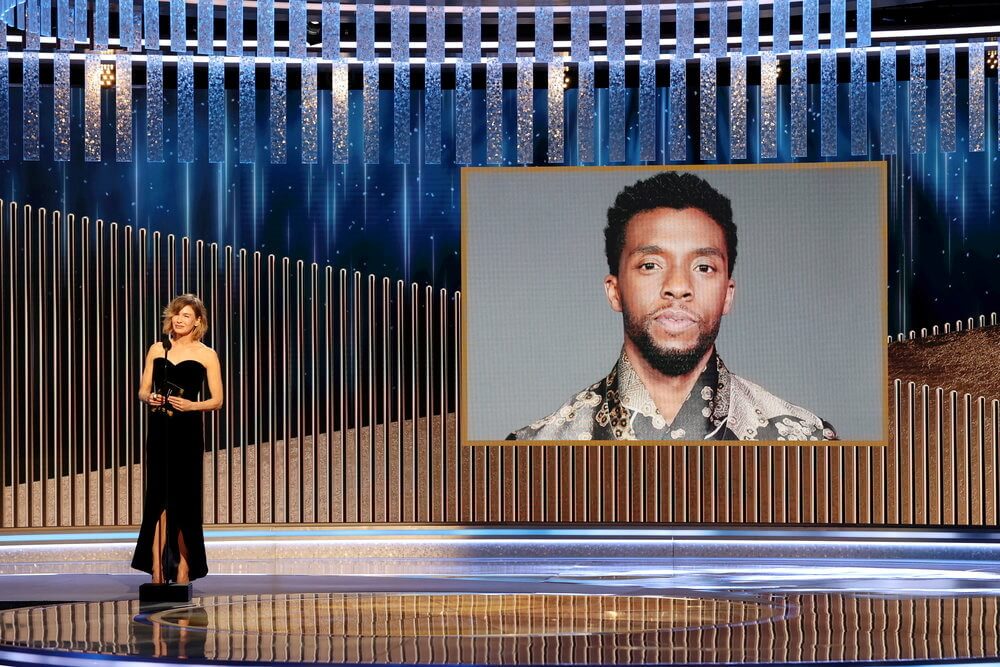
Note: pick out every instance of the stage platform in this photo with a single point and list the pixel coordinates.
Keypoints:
(419, 595)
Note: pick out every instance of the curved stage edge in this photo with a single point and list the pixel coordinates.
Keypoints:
(503, 595)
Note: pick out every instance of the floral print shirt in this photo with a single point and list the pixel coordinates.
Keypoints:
(721, 406)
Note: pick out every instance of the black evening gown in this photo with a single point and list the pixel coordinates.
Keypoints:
(174, 452)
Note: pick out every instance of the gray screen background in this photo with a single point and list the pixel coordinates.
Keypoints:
(806, 324)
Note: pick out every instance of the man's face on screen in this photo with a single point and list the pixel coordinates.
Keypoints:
(672, 288)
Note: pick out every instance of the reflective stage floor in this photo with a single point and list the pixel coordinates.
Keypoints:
(535, 597)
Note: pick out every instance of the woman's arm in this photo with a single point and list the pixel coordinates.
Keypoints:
(146, 383)
(214, 372)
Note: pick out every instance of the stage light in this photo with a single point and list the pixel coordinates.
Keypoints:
(107, 75)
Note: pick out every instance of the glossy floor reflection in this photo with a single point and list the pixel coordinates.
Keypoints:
(609, 612)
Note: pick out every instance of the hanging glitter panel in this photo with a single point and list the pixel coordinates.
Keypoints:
(331, 29)
(507, 32)
(556, 107)
(45, 18)
(977, 97)
(471, 31)
(647, 110)
(810, 25)
(216, 109)
(463, 113)
(248, 110)
(494, 112)
(64, 20)
(585, 112)
(779, 26)
(279, 112)
(178, 26)
(887, 99)
(718, 28)
(751, 27)
(82, 35)
(768, 105)
(234, 27)
(92, 108)
(29, 104)
(737, 106)
(616, 111)
(401, 113)
(265, 28)
(338, 123)
(297, 28)
(185, 109)
(838, 23)
(126, 25)
(650, 31)
(917, 91)
(32, 9)
(309, 113)
(100, 25)
(123, 107)
(206, 26)
(154, 107)
(864, 21)
(400, 32)
(579, 34)
(947, 84)
(707, 94)
(616, 31)
(799, 105)
(543, 33)
(370, 112)
(859, 101)
(365, 26)
(685, 30)
(678, 110)
(435, 31)
(432, 113)
(61, 107)
(525, 107)
(4, 105)
(151, 23)
(828, 103)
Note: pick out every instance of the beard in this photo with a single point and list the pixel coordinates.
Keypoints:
(668, 361)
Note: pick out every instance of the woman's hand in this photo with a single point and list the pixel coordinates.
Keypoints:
(181, 404)
(154, 399)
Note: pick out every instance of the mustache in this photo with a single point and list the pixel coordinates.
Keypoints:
(674, 311)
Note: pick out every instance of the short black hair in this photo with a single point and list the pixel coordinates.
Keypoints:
(668, 189)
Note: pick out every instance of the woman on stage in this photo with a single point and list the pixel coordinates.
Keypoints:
(171, 545)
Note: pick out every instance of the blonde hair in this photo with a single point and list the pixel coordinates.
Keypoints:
(177, 305)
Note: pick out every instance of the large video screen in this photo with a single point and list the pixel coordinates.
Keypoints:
(675, 304)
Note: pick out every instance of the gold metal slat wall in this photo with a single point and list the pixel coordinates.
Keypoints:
(342, 403)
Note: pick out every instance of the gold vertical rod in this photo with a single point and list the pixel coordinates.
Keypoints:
(952, 479)
(286, 380)
(908, 488)
(71, 378)
(258, 409)
(328, 348)
(430, 460)
(445, 491)
(340, 466)
(994, 458)
(215, 418)
(397, 481)
(978, 466)
(171, 266)
(155, 330)
(937, 489)
(227, 343)
(367, 508)
(386, 487)
(414, 409)
(965, 477)
(244, 441)
(141, 293)
(199, 269)
(60, 433)
(354, 464)
(299, 402)
(6, 422)
(314, 383)
(25, 390)
(923, 510)
(12, 432)
(99, 342)
(272, 416)
(42, 441)
(113, 356)
(129, 352)
(185, 263)
(461, 453)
